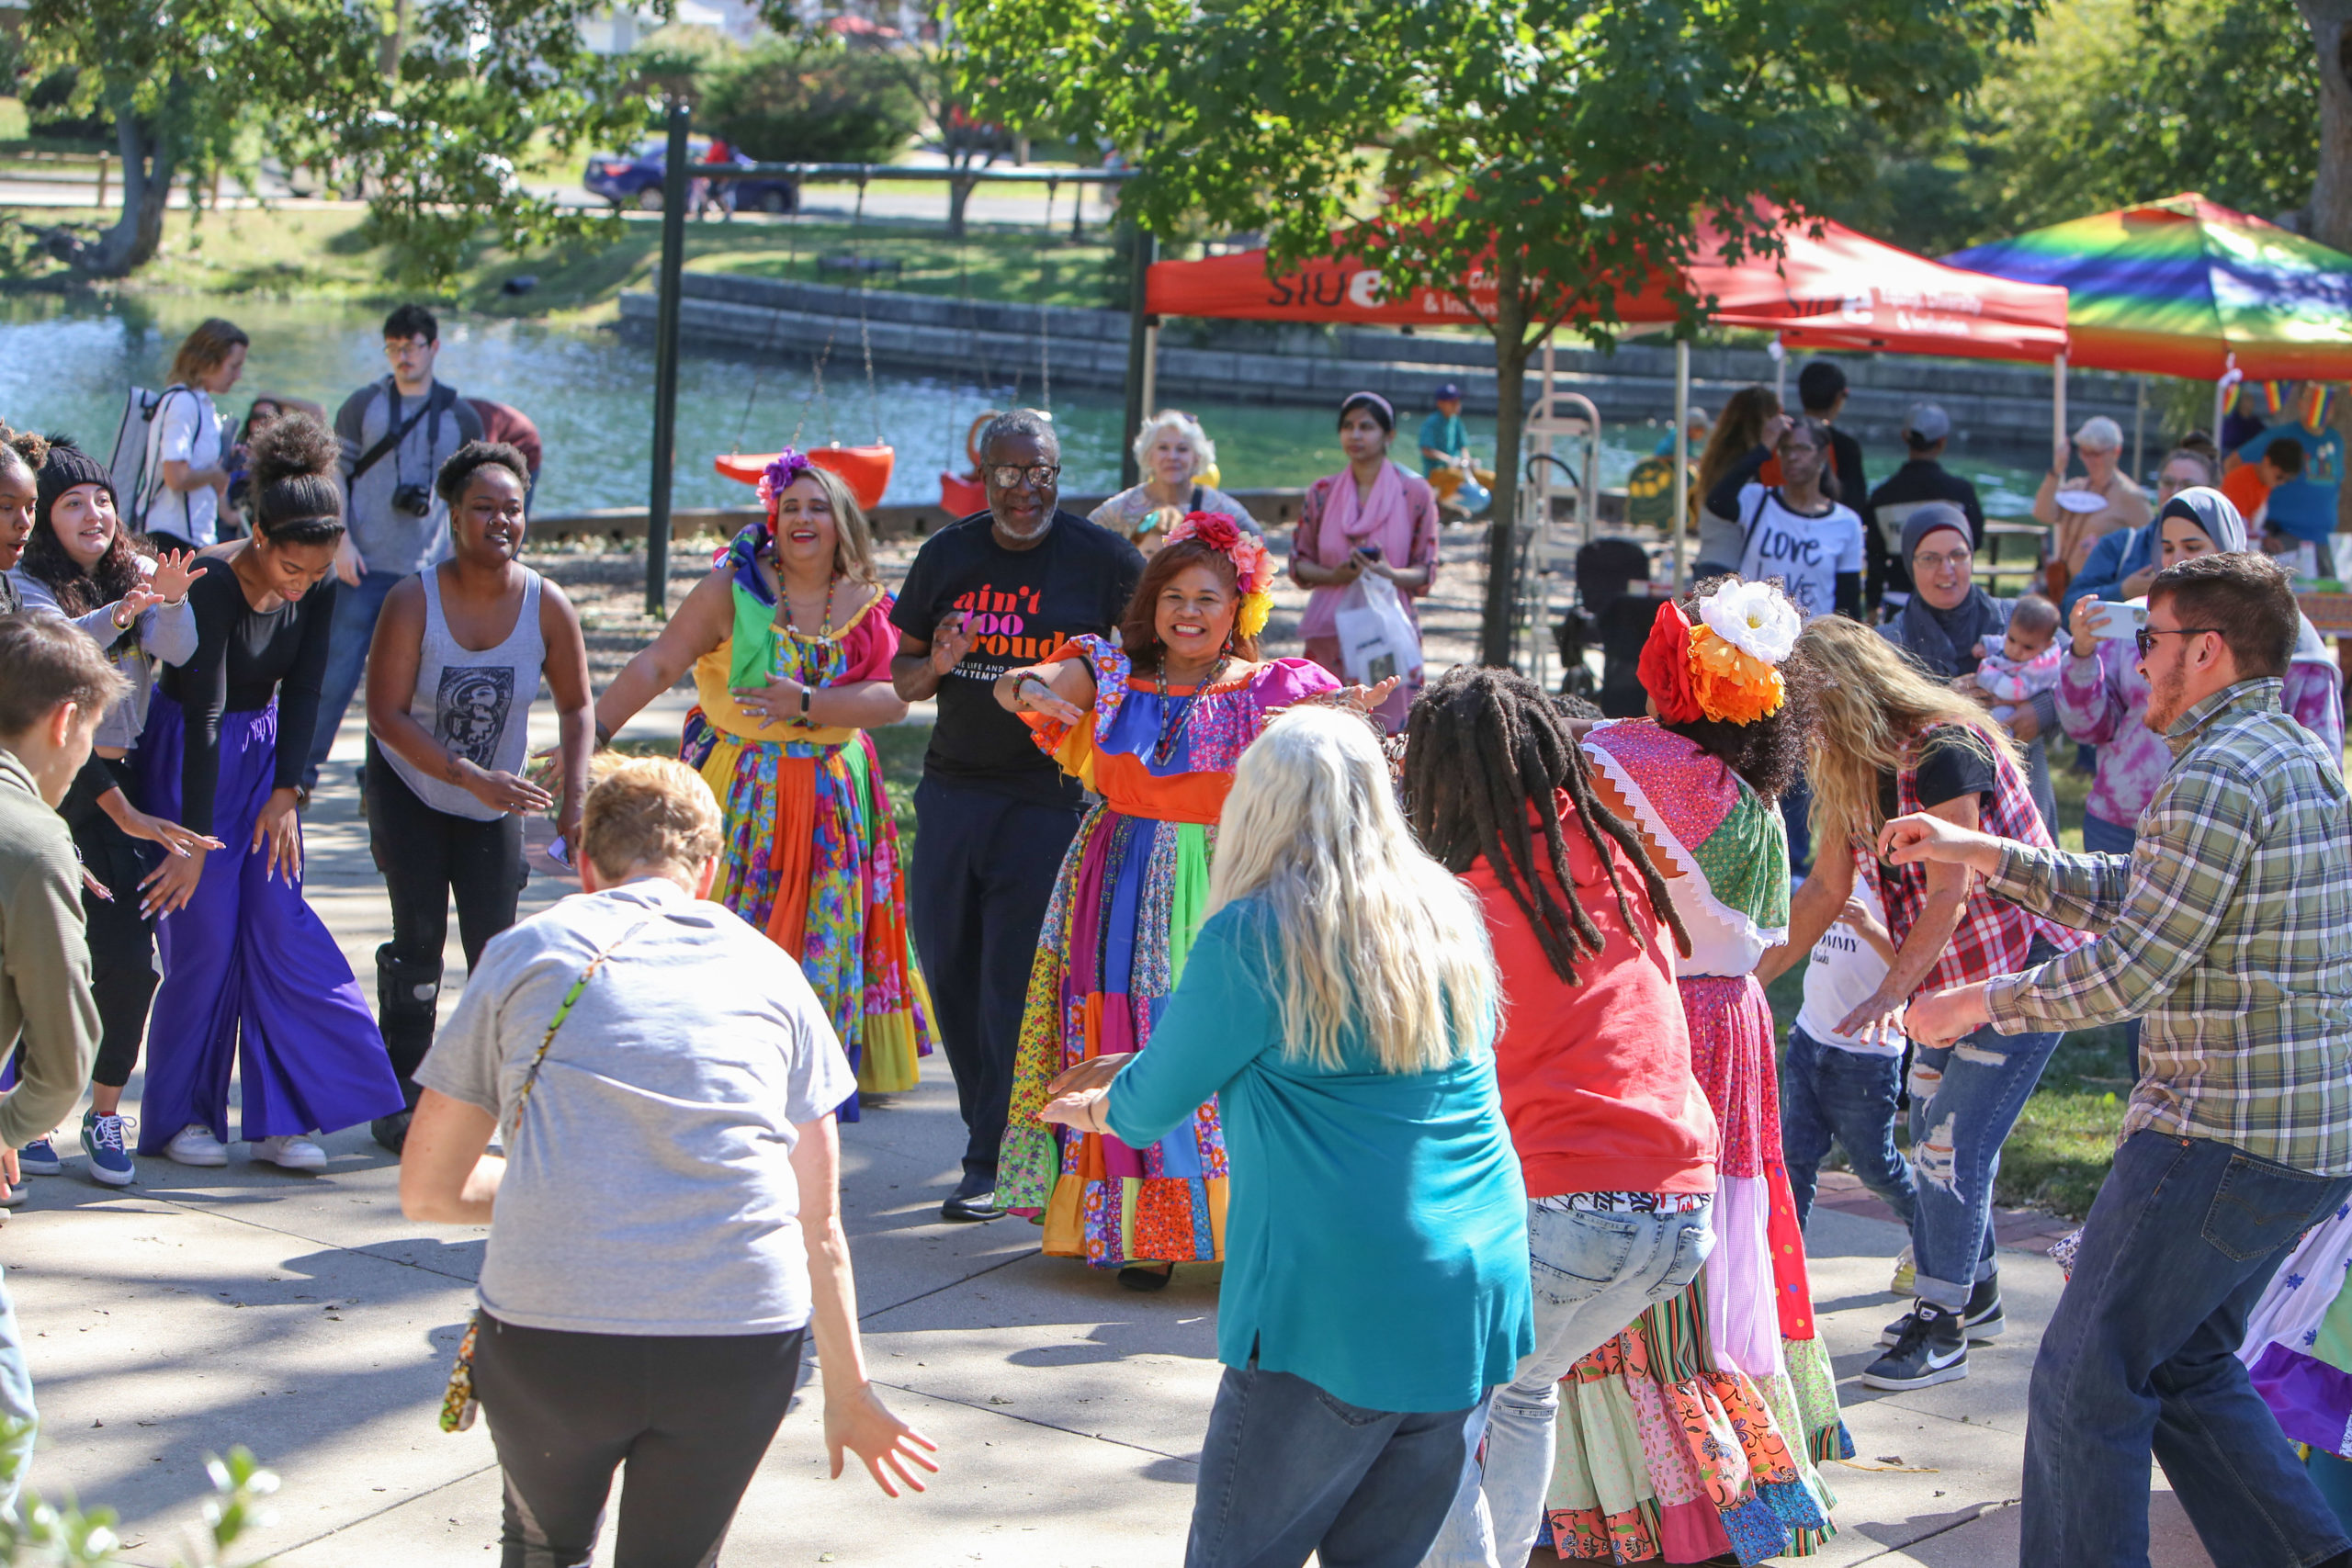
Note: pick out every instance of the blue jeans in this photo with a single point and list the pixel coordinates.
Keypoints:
(1846, 1097)
(352, 630)
(2101, 837)
(1593, 1274)
(15, 1405)
(1287, 1469)
(2140, 1356)
(1964, 1099)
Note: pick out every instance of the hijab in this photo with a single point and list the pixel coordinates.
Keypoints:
(1945, 640)
(2214, 512)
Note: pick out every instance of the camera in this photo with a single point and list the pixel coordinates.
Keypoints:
(415, 500)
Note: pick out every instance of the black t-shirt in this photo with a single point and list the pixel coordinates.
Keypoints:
(1077, 578)
(244, 658)
(1952, 764)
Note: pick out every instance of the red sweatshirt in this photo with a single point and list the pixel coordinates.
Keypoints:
(1596, 1078)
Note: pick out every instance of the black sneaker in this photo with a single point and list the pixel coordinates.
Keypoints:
(974, 1201)
(391, 1132)
(1981, 1318)
(1933, 1350)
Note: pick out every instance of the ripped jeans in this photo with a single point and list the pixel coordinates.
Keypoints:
(1964, 1099)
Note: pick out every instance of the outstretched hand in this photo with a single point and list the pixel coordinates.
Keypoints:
(1923, 836)
(280, 826)
(951, 641)
(1367, 699)
(1938, 1018)
(174, 569)
(1095, 1072)
(179, 841)
(1032, 695)
(862, 1424)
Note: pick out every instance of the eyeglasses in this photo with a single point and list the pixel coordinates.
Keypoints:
(1004, 476)
(1937, 563)
(2147, 637)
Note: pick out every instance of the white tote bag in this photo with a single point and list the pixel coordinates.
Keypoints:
(1377, 639)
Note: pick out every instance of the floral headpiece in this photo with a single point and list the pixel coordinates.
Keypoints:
(1253, 569)
(1727, 667)
(787, 466)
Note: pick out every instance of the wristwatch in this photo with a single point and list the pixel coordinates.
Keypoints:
(804, 705)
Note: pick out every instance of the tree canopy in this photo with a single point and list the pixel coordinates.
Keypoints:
(426, 106)
(1563, 150)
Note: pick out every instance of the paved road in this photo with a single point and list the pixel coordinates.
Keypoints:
(303, 1316)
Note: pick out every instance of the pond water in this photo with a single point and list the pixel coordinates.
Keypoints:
(64, 364)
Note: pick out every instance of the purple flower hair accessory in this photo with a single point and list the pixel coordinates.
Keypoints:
(788, 465)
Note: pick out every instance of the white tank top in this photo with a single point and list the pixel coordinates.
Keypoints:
(476, 704)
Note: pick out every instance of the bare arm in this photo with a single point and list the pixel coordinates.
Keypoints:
(702, 622)
(856, 1418)
(1069, 681)
(184, 476)
(1812, 909)
(920, 665)
(567, 673)
(1923, 944)
(446, 1175)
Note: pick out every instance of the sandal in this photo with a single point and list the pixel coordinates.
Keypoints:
(1147, 1276)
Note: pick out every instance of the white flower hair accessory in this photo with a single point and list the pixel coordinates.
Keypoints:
(1754, 617)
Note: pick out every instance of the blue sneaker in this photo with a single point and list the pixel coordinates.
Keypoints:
(40, 1158)
(102, 1140)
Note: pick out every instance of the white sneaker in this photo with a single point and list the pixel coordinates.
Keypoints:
(291, 1151)
(195, 1145)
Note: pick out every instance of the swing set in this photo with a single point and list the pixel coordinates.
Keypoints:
(865, 469)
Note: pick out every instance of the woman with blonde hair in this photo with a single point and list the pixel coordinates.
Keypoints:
(1696, 1431)
(1177, 458)
(187, 471)
(1339, 1007)
(790, 642)
(1890, 742)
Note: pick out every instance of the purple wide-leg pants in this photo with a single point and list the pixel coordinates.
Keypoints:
(252, 980)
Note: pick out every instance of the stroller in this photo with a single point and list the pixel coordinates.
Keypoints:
(1610, 613)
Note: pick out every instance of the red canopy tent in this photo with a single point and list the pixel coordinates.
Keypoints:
(1833, 288)
(1838, 289)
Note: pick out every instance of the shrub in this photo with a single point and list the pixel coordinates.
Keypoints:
(814, 104)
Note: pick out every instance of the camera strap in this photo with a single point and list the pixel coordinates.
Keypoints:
(434, 403)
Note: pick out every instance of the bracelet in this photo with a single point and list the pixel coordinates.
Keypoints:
(804, 704)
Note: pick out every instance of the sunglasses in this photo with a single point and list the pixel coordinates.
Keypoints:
(2146, 639)
(1039, 475)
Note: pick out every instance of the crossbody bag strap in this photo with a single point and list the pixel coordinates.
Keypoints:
(562, 1011)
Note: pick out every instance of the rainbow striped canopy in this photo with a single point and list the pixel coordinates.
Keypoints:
(2177, 286)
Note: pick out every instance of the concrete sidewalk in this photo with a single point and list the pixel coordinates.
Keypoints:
(302, 1316)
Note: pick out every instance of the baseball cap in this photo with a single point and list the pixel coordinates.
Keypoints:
(1927, 423)
(1449, 393)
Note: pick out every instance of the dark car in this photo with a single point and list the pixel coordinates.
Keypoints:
(633, 179)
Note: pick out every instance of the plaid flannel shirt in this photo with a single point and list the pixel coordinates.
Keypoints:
(1994, 936)
(2227, 930)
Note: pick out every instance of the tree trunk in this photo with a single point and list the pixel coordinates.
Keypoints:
(2331, 25)
(147, 171)
(959, 192)
(1511, 412)
(395, 42)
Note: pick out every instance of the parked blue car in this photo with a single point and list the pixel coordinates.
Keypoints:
(633, 179)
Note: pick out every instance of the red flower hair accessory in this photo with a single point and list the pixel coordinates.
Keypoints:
(1252, 568)
(1665, 667)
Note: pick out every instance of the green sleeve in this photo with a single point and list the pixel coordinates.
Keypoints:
(1221, 1016)
(47, 960)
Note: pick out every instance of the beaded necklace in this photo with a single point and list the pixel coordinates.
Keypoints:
(784, 597)
(1171, 727)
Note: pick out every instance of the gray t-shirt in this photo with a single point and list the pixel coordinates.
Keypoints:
(388, 539)
(648, 1189)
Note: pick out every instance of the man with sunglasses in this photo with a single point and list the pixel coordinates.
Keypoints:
(2228, 932)
(994, 814)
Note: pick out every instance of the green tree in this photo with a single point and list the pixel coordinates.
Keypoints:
(474, 86)
(792, 101)
(1530, 157)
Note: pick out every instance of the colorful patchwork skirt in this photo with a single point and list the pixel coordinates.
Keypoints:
(1132, 893)
(811, 858)
(1698, 1430)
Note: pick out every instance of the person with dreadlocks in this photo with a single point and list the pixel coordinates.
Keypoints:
(1643, 1419)
(1154, 722)
(1614, 1135)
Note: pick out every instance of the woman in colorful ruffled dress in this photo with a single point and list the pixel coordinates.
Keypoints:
(1696, 1431)
(1154, 723)
(790, 642)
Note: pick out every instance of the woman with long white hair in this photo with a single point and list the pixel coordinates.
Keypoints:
(1339, 1006)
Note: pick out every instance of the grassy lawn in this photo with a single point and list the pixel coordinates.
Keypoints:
(2058, 1152)
(300, 250)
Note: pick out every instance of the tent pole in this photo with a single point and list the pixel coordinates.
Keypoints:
(1779, 373)
(2221, 408)
(1676, 523)
(665, 363)
(1138, 351)
(1150, 368)
(2058, 401)
(2139, 425)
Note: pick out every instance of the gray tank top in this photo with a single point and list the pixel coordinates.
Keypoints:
(476, 704)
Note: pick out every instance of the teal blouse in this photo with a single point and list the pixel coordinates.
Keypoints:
(1375, 1234)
